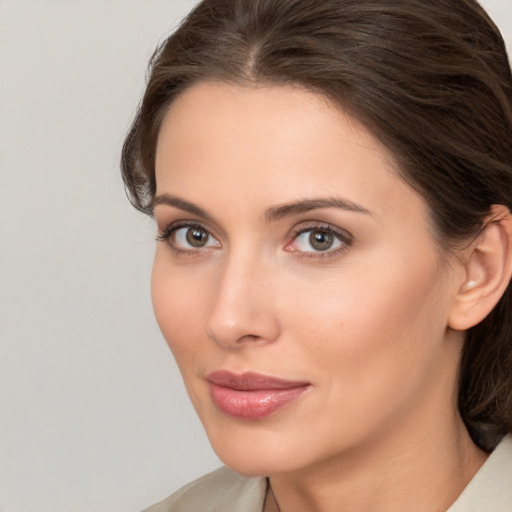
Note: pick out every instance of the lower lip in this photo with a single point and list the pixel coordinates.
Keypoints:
(253, 404)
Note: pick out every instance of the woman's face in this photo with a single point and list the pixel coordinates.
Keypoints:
(296, 281)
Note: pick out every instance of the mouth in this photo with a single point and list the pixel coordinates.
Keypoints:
(252, 396)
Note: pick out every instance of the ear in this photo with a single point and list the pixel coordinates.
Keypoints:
(487, 271)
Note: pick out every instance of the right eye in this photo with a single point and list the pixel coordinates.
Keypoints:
(196, 237)
(189, 237)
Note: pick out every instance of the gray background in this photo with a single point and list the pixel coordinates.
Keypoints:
(93, 416)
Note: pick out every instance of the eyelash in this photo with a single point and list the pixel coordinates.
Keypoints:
(342, 236)
(168, 232)
(345, 238)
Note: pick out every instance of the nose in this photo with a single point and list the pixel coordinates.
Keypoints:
(243, 308)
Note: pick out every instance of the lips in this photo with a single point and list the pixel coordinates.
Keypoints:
(252, 396)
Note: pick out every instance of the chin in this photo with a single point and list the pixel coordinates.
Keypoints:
(255, 450)
(256, 466)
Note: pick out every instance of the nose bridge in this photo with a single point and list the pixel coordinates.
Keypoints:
(242, 309)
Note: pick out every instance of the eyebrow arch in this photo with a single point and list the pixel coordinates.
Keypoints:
(272, 214)
(278, 212)
(181, 204)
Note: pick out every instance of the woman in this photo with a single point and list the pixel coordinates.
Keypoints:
(332, 185)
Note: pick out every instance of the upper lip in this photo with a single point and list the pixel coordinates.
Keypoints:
(251, 381)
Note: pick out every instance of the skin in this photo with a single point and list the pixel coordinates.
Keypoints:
(366, 323)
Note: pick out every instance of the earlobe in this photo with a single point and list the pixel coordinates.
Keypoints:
(488, 270)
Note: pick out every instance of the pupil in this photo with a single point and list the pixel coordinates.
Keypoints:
(197, 237)
(321, 240)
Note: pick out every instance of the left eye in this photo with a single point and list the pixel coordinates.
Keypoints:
(317, 240)
(193, 237)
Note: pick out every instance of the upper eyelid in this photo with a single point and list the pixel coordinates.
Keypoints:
(302, 227)
(207, 224)
(345, 238)
(321, 225)
(169, 229)
(167, 233)
(178, 224)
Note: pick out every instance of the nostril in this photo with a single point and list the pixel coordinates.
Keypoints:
(236, 335)
(249, 338)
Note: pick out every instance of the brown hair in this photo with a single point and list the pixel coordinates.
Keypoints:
(430, 79)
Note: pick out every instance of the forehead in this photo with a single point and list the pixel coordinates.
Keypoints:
(276, 143)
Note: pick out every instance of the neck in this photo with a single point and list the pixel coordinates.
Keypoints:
(426, 472)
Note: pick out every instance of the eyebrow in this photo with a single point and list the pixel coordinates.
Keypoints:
(307, 205)
(272, 214)
(181, 204)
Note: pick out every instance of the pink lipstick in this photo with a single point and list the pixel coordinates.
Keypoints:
(252, 396)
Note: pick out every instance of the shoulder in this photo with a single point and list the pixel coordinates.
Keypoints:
(222, 490)
(491, 487)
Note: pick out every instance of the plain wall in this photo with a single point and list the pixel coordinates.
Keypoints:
(93, 415)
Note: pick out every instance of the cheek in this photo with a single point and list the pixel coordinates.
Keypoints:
(372, 328)
(178, 302)
(369, 351)
(177, 305)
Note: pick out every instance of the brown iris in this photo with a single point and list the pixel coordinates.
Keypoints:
(321, 240)
(197, 237)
